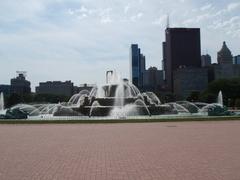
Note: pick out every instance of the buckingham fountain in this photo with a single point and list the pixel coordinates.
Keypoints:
(117, 99)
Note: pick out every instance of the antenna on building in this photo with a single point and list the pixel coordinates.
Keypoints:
(168, 21)
(24, 73)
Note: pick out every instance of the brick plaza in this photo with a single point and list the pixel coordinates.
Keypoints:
(181, 151)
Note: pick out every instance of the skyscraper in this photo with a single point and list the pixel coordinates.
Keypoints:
(182, 48)
(224, 56)
(137, 65)
(206, 60)
(142, 68)
(164, 60)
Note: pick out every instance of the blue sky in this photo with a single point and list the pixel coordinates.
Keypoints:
(79, 40)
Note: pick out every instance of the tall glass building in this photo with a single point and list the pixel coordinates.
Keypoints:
(137, 66)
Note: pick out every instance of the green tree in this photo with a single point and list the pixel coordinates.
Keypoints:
(170, 97)
(50, 98)
(230, 89)
(194, 96)
(237, 103)
(14, 99)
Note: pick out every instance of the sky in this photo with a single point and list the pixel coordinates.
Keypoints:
(80, 40)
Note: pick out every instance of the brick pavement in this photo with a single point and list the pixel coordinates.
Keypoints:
(181, 151)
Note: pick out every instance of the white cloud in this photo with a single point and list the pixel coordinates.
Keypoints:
(233, 6)
(105, 15)
(197, 19)
(233, 21)
(229, 9)
(82, 11)
(82, 16)
(136, 17)
(126, 9)
(206, 7)
(106, 20)
(161, 20)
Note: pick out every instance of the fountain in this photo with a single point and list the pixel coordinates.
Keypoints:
(117, 99)
(1, 102)
(220, 98)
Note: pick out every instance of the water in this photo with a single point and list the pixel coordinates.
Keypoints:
(76, 99)
(179, 108)
(1, 102)
(119, 95)
(125, 90)
(94, 106)
(220, 98)
(152, 98)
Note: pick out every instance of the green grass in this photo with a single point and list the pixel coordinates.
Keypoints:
(87, 121)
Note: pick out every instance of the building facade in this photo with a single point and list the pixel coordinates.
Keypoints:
(225, 71)
(224, 56)
(55, 88)
(143, 68)
(236, 59)
(20, 85)
(206, 60)
(85, 86)
(182, 48)
(188, 80)
(152, 79)
(137, 65)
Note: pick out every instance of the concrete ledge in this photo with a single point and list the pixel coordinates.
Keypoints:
(89, 121)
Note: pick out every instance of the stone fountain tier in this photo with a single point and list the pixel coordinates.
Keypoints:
(105, 105)
(109, 90)
(14, 114)
(106, 110)
(110, 101)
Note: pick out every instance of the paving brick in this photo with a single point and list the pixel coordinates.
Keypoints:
(181, 151)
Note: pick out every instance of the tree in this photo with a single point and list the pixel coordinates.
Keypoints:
(194, 96)
(230, 89)
(50, 98)
(14, 99)
(237, 103)
(170, 98)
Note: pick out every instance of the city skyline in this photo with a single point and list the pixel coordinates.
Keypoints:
(80, 40)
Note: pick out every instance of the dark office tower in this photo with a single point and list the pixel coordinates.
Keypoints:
(224, 56)
(142, 63)
(142, 68)
(137, 65)
(134, 64)
(164, 59)
(182, 49)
